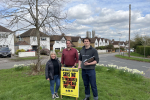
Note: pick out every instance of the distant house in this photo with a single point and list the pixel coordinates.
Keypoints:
(31, 38)
(77, 41)
(116, 44)
(58, 42)
(7, 38)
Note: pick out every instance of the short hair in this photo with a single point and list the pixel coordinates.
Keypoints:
(70, 41)
(87, 39)
(52, 52)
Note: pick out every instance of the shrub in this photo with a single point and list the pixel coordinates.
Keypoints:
(101, 47)
(78, 48)
(140, 50)
(45, 52)
(19, 50)
(57, 51)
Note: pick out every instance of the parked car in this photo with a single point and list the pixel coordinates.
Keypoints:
(131, 50)
(45, 52)
(5, 52)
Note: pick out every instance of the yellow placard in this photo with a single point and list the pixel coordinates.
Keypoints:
(70, 82)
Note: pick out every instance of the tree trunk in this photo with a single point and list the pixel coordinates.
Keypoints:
(38, 37)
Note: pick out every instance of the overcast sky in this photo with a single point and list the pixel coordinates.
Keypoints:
(107, 18)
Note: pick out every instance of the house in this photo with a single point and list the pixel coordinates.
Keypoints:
(116, 44)
(30, 37)
(77, 41)
(58, 42)
(7, 38)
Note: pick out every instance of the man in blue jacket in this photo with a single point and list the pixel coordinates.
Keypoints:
(88, 69)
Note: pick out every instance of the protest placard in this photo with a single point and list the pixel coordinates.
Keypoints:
(70, 82)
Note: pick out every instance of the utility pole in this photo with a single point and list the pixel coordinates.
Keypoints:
(129, 27)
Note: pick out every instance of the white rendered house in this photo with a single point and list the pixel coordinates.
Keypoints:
(7, 38)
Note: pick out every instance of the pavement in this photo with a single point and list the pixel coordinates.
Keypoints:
(109, 58)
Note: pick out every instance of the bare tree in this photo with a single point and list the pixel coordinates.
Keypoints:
(45, 15)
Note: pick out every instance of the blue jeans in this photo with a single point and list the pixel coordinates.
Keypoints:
(52, 82)
(89, 76)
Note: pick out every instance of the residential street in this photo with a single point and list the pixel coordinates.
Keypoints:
(105, 59)
(111, 59)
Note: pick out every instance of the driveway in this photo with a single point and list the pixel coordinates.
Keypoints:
(111, 59)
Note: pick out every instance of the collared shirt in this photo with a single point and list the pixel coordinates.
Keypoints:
(69, 57)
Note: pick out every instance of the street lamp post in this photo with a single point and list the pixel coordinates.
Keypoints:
(119, 43)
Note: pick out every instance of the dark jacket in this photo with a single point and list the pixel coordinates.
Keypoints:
(49, 69)
(86, 54)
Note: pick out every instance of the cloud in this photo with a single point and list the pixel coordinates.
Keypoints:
(80, 11)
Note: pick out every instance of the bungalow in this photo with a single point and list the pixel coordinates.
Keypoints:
(7, 38)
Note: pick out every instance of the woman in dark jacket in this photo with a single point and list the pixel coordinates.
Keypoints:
(52, 73)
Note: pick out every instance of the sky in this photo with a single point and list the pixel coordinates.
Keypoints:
(109, 18)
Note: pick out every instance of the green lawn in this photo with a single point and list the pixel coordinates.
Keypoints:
(24, 58)
(136, 54)
(18, 85)
(133, 58)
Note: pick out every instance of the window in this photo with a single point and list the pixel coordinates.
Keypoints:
(34, 38)
(3, 35)
(43, 38)
(62, 41)
(20, 39)
(6, 36)
(96, 43)
(43, 46)
(57, 41)
(0, 35)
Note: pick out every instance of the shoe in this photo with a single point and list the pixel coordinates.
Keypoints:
(56, 95)
(86, 98)
(53, 96)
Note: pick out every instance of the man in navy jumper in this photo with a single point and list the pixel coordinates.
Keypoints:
(88, 69)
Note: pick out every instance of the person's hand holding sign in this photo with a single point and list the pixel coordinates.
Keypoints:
(48, 79)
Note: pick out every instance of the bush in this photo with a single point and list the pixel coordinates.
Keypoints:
(45, 52)
(78, 48)
(19, 50)
(57, 51)
(101, 47)
(140, 50)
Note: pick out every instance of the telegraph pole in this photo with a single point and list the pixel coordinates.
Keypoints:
(129, 27)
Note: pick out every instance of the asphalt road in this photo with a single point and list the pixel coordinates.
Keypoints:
(105, 59)
(111, 59)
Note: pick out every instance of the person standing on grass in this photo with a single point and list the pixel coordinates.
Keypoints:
(88, 69)
(69, 56)
(52, 73)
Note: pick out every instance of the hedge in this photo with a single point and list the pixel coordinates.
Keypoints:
(140, 50)
(78, 48)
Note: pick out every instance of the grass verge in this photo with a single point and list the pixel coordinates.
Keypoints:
(136, 54)
(25, 58)
(111, 85)
(132, 58)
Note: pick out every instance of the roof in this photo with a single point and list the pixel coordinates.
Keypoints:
(68, 37)
(75, 39)
(21, 43)
(56, 37)
(117, 42)
(3, 29)
(32, 32)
